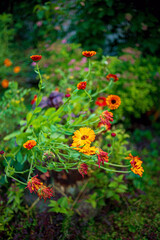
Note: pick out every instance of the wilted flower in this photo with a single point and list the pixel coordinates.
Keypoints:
(34, 184)
(45, 192)
(88, 53)
(5, 83)
(83, 168)
(82, 85)
(102, 157)
(136, 165)
(29, 144)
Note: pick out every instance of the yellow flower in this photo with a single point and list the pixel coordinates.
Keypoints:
(83, 136)
(88, 150)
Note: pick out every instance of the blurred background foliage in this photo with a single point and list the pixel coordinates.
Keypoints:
(125, 35)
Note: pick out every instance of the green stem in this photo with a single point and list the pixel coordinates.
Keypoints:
(40, 77)
(111, 170)
(18, 180)
(30, 170)
(103, 90)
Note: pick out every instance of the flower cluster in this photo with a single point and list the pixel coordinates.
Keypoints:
(29, 144)
(36, 186)
(136, 164)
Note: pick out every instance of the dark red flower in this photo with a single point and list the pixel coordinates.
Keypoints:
(83, 168)
(36, 58)
(2, 152)
(112, 76)
(67, 95)
(113, 134)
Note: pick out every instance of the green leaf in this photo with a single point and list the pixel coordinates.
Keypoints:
(12, 135)
(42, 169)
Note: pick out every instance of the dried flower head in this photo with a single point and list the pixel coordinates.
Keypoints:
(113, 101)
(29, 144)
(88, 53)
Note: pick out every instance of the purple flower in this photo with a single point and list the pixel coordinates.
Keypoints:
(44, 102)
(84, 60)
(86, 69)
(55, 99)
(64, 41)
(33, 63)
(77, 68)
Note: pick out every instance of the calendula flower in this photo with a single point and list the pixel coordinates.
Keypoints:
(88, 150)
(45, 192)
(83, 136)
(101, 101)
(102, 157)
(112, 76)
(82, 169)
(136, 164)
(113, 101)
(7, 62)
(88, 53)
(36, 58)
(17, 69)
(5, 83)
(30, 144)
(34, 184)
(81, 85)
(34, 99)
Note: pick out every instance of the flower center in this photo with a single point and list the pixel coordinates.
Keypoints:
(84, 137)
(113, 101)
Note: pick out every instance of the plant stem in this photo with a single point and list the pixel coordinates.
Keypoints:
(30, 168)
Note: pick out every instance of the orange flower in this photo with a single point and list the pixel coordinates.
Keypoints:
(113, 101)
(7, 62)
(88, 53)
(81, 85)
(30, 144)
(101, 101)
(88, 150)
(36, 186)
(112, 76)
(34, 99)
(36, 58)
(136, 164)
(107, 126)
(5, 83)
(16, 69)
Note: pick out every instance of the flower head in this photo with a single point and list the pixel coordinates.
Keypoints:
(88, 150)
(112, 76)
(83, 136)
(2, 152)
(34, 99)
(102, 157)
(107, 126)
(17, 69)
(45, 192)
(113, 134)
(5, 83)
(82, 169)
(7, 62)
(113, 101)
(106, 117)
(88, 53)
(136, 164)
(101, 101)
(36, 58)
(34, 184)
(81, 85)
(29, 144)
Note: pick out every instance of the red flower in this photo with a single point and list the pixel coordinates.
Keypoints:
(83, 168)
(88, 53)
(101, 101)
(67, 95)
(112, 76)
(36, 58)
(34, 184)
(113, 134)
(45, 192)
(102, 157)
(2, 152)
(34, 99)
(106, 117)
(29, 144)
(81, 85)
(107, 126)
